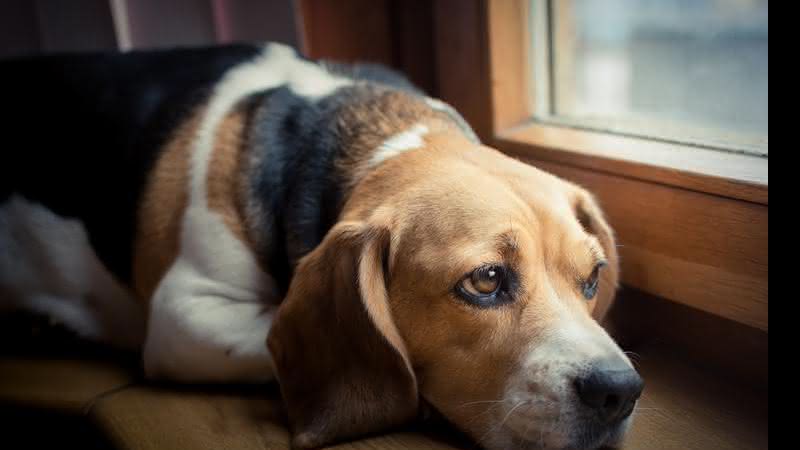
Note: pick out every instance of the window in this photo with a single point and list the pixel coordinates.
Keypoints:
(685, 71)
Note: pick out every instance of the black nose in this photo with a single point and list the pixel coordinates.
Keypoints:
(611, 387)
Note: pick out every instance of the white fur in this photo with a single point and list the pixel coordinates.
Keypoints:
(441, 106)
(47, 265)
(208, 318)
(436, 104)
(401, 142)
(540, 404)
(208, 321)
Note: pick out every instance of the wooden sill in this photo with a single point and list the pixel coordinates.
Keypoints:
(727, 174)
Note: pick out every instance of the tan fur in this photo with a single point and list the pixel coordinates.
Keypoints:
(225, 179)
(449, 208)
(381, 117)
(359, 378)
(165, 195)
(160, 213)
(464, 354)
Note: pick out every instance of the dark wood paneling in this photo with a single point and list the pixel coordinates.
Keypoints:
(462, 66)
(391, 32)
(351, 30)
(646, 324)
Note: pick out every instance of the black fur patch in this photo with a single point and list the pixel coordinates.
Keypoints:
(80, 132)
(297, 183)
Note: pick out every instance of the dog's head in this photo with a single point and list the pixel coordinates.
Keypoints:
(463, 277)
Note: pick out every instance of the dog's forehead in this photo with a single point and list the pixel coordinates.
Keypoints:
(481, 189)
(472, 213)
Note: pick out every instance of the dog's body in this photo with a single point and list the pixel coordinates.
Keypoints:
(129, 136)
(174, 200)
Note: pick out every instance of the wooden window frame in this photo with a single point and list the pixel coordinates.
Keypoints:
(692, 222)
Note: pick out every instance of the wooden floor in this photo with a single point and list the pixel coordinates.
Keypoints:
(683, 407)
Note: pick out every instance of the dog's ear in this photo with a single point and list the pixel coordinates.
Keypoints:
(341, 363)
(593, 221)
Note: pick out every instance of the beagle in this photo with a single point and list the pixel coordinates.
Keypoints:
(242, 214)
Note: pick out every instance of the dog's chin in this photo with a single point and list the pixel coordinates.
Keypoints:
(552, 435)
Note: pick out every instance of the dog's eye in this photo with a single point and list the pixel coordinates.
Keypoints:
(589, 286)
(485, 286)
(484, 281)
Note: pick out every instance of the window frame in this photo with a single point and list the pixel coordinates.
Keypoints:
(714, 236)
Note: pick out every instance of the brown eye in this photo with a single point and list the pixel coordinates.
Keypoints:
(483, 281)
(488, 286)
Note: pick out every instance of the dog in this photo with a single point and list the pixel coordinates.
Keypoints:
(243, 214)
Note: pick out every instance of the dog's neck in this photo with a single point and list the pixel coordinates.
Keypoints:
(307, 155)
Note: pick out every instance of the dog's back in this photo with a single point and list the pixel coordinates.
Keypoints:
(80, 133)
(85, 134)
(82, 130)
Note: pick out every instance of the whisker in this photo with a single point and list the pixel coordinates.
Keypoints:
(641, 410)
(634, 357)
(489, 410)
(511, 412)
(502, 422)
(481, 402)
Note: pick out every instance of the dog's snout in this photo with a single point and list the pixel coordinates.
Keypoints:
(611, 388)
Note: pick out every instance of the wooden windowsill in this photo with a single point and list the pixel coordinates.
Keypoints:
(734, 175)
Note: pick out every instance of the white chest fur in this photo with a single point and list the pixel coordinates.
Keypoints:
(208, 320)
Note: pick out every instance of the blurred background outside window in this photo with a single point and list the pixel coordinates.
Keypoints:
(689, 71)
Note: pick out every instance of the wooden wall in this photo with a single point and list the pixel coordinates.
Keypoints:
(398, 33)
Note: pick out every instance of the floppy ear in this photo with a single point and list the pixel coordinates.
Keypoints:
(591, 218)
(342, 366)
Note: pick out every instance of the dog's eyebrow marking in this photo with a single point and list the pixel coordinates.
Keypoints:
(596, 256)
(507, 244)
(399, 143)
(596, 250)
(508, 240)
